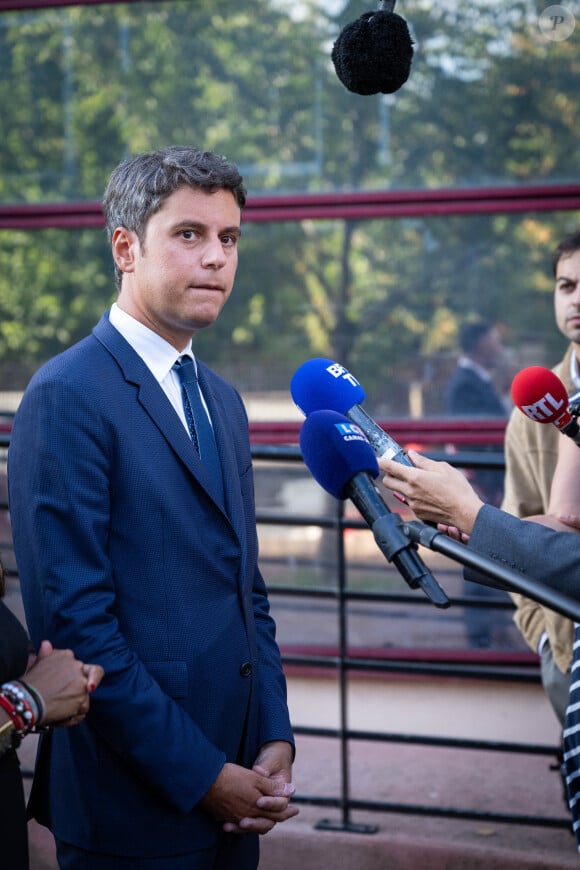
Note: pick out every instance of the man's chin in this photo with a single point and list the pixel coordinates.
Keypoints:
(199, 324)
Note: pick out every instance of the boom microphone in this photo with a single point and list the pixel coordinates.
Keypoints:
(342, 461)
(541, 396)
(373, 54)
(321, 384)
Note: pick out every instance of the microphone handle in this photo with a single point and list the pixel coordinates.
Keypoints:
(382, 444)
(572, 430)
(407, 561)
(387, 528)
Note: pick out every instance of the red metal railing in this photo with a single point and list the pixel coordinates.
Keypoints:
(337, 206)
(429, 433)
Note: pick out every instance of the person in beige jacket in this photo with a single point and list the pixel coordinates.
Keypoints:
(531, 452)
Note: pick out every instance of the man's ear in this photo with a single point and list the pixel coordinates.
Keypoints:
(125, 247)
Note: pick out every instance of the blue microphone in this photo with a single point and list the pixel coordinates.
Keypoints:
(321, 384)
(342, 461)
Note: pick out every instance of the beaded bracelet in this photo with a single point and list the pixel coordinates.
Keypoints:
(20, 705)
(39, 700)
(18, 688)
(14, 714)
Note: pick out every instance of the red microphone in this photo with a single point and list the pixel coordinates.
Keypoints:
(541, 396)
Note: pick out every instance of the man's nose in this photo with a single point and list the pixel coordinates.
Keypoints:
(213, 254)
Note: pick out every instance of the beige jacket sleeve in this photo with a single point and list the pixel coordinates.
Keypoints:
(531, 453)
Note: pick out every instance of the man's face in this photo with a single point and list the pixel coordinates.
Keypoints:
(490, 348)
(180, 278)
(567, 296)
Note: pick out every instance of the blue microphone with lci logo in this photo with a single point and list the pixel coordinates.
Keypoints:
(341, 460)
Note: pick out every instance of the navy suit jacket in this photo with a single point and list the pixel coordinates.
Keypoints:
(125, 557)
(469, 395)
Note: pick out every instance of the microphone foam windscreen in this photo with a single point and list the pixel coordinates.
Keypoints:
(334, 450)
(321, 384)
(373, 54)
(531, 386)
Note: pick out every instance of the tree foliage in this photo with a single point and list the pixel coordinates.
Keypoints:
(490, 101)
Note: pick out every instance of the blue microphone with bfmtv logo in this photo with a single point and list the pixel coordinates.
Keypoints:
(323, 384)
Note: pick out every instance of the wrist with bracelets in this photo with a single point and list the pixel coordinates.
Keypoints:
(23, 704)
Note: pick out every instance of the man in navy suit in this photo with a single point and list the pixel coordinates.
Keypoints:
(470, 391)
(131, 554)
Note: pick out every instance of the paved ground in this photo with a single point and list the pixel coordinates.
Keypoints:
(410, 841)
(407, 775)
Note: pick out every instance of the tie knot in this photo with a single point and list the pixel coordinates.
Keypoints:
(186, 370)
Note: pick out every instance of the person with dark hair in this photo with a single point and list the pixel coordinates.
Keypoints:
(132, 503)
(51, 688)
(470, 391)
(531, 453)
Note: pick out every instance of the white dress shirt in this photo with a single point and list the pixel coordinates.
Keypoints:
(158, 355)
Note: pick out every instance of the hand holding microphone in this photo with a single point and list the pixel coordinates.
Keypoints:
(436, 492)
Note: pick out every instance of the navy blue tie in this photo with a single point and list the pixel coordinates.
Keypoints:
(572, 739)
(198, 423)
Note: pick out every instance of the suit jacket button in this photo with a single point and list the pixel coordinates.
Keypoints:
(246, 669)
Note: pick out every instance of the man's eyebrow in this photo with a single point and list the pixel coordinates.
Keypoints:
(235, 230)
(565, 278)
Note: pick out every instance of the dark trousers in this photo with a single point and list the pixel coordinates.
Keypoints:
(13, 831)
(239, 851)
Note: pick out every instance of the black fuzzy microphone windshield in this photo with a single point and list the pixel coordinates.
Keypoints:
(373, 54)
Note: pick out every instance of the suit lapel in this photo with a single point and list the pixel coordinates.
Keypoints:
(156, 404)
(225, 445)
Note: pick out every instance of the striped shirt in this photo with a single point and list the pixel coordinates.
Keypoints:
(572, 739)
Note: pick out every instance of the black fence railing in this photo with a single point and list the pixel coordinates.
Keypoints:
(345, 662)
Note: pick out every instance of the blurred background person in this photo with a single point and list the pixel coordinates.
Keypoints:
(471, 392)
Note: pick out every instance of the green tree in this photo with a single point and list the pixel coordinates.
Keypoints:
(489, 101)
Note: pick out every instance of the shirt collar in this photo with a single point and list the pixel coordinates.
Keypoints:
(157, 354)
(465, 362)
(574, 370)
